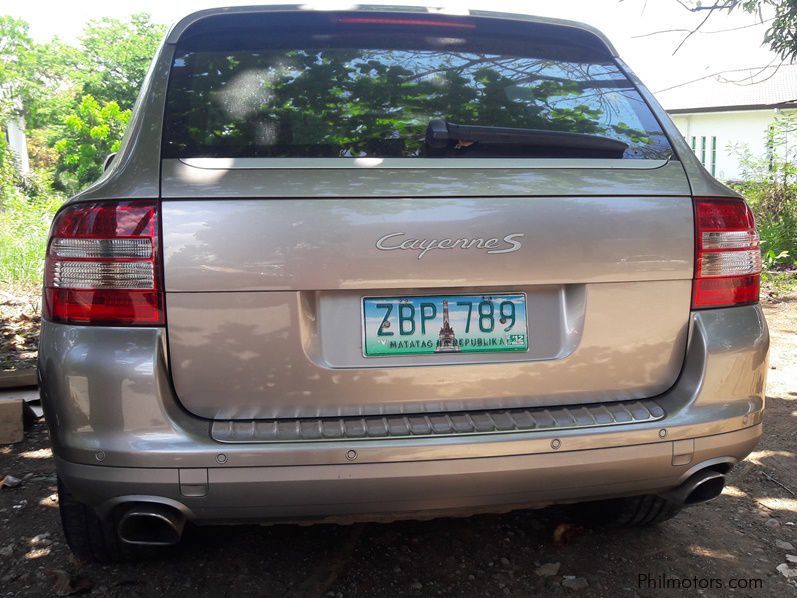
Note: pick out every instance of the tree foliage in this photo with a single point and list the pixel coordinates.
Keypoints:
(92, 132)
(75, 100)
(782, 34)
(40, 77)
(51, 89)
(116, 56)
(14, 41)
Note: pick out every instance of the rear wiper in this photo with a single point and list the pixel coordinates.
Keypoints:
(440, 134)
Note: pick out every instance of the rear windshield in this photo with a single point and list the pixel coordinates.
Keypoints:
(338, 86)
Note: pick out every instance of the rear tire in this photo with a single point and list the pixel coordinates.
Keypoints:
(633, 511)
(91, 538)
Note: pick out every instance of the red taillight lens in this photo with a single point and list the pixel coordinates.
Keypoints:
(727, 256)
(102, 265)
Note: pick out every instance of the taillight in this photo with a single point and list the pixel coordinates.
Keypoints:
(727, 256)
(102, 265)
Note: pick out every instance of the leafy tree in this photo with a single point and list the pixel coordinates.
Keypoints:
(782, 34)
(75, 99)
(92, 132)
(15, 42)
(34, 72)
(35, 79)
(86, 94)
(49, 89)
(116, 56)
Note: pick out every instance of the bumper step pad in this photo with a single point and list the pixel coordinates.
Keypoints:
(437, 424)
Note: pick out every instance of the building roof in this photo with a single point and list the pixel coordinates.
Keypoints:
(741, 89)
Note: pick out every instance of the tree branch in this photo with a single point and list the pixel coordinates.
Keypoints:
(691, 33)
(652, 33)
(729, 4)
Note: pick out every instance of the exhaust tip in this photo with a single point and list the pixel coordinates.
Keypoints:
(706, 489)
(702, 486)
(151, 525)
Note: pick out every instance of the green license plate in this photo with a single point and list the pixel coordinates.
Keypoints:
(444, 324)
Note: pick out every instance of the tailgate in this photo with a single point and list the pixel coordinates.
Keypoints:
(265, 294)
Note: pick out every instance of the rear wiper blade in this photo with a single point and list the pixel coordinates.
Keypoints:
(440, 133)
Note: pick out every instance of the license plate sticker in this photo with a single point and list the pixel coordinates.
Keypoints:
(444, 324)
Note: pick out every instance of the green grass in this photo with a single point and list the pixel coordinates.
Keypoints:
(24, 224)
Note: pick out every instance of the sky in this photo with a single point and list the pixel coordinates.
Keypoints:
(726, 42)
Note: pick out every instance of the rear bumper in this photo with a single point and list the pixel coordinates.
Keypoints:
(387, 491)
(119, 434)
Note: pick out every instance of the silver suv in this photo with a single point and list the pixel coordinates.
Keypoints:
(391, 263)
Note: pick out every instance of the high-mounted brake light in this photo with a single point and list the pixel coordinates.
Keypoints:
(410, 22)
(727, 256)
(102, 265)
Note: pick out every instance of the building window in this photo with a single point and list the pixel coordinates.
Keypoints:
(694, 143)
(703, 151)
(713, 156)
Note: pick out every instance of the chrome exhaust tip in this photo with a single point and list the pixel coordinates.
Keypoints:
(701, 487)
(151, 524)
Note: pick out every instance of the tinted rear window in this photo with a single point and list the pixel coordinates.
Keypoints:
(337, 86)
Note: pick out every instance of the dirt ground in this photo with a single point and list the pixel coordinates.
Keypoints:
(19, 330)
(741, 538)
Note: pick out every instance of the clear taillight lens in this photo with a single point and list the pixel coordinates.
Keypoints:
(102, 275)
(102, 265)
(727, 256)
(103, 248)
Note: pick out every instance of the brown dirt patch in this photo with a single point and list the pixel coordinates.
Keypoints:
(19, 330)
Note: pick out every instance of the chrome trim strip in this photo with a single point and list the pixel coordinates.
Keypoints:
(418, 163)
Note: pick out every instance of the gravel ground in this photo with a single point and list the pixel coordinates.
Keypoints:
(742, 537)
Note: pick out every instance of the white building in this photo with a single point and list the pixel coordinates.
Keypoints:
(719, 115)
(14, 132)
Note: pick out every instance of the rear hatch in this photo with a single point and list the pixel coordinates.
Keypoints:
(377, 214)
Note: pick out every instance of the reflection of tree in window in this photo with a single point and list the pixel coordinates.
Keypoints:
(348, 102)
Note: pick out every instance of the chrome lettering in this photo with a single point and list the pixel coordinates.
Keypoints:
(424, 246)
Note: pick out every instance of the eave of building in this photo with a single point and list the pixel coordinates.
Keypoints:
(741, 108)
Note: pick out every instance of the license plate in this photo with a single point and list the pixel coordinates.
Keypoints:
(444, 324)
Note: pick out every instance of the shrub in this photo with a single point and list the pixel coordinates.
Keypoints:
(24, 225)
(770, 186)
(775, 209)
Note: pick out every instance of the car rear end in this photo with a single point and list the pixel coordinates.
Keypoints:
(381, 264)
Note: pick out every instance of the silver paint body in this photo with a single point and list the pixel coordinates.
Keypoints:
(266, 262)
